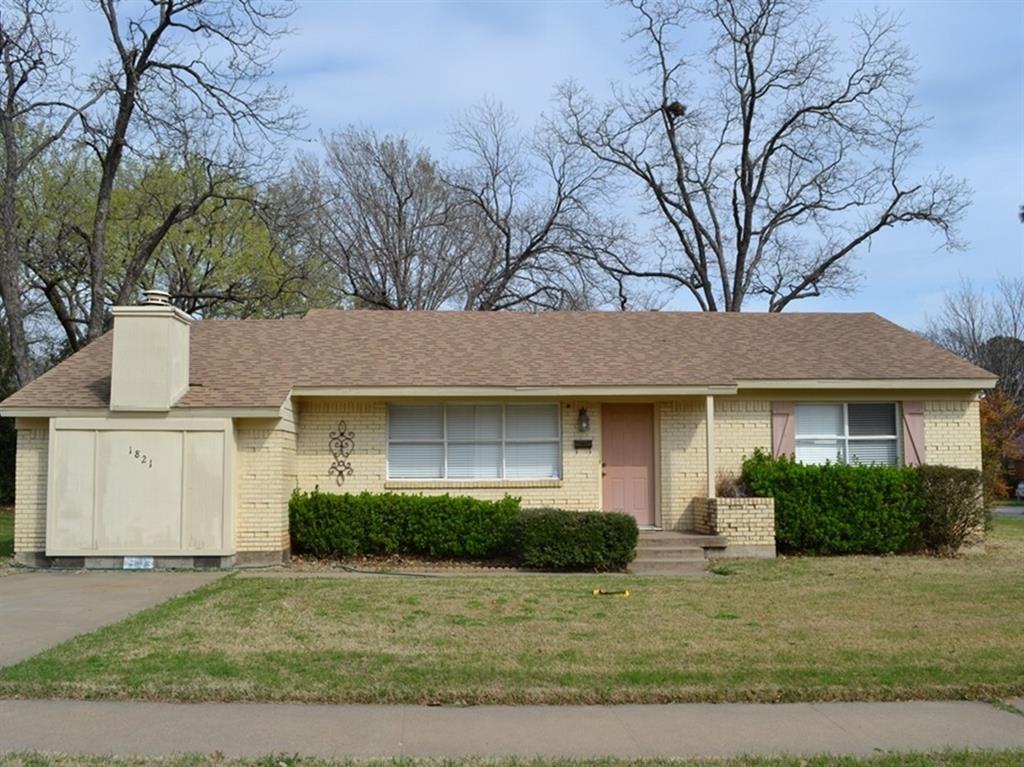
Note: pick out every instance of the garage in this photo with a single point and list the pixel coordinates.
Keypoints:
(140, 487)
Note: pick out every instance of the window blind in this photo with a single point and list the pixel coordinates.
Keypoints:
(863, 433)
(826, 420)
(474, 441)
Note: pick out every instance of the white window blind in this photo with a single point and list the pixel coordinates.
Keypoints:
(416, 441)
(415, 422)
(419, 461)
(819, 420)
(863, 433)
(470, 441)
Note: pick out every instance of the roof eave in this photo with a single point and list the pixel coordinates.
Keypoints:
(972, 384)
(51, 411)
(511, 392)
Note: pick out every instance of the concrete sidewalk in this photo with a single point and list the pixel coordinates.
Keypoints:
(250, 730)
(1008, 511)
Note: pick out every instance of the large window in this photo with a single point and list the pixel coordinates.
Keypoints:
(473, 441)
(863, 433)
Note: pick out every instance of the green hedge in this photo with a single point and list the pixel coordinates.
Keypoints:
(554, 539)
(842, 509)
(327, 524)
(459, 527)
(954, 507)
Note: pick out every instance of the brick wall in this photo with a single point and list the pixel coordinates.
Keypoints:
(952, 433)
(741, 425)
(272, 460)
(682, 463)
(579, 489)
(30, 486)
(265, 478)
(742, 521)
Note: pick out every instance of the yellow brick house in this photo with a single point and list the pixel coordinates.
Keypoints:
(182, 439)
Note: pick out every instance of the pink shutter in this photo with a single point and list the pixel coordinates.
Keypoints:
(913, 433)
(783, 429)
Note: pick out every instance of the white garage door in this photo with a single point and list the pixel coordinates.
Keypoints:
(140, 487)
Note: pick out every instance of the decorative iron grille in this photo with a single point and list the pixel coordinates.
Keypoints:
(341, 445)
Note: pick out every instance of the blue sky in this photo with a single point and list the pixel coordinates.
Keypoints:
(408, 67)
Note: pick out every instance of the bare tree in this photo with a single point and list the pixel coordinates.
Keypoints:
(507, 225)
(37, 110)
(187, 78)
(988, 330)
(768, 160)
(381, 214)
(530, 202)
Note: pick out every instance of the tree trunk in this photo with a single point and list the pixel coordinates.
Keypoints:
(98, 242)
(10, 291)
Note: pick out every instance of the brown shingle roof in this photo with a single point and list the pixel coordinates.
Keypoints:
(254, 363)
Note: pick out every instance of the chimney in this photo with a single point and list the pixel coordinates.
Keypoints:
(149, 370)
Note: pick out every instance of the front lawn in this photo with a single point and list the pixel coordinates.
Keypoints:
(853, 628)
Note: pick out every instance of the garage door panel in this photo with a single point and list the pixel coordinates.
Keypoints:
(71, 525)
(138, 497)
(203, 527)
(158, 488)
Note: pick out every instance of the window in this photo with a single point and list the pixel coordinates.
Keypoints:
(470, 441)
(862, 433)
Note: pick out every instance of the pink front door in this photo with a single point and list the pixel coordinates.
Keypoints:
(627, 453)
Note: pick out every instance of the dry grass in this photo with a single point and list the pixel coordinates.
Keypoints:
(854, 628)
(940, 759)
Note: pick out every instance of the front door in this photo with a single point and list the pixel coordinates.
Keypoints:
(627, 454)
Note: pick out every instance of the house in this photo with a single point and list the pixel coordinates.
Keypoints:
(183, 440)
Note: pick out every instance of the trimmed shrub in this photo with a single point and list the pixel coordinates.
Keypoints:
(954, 507)
(328, 524)
(460, 527)
(555, 539)
(838, 508)
(319, 525)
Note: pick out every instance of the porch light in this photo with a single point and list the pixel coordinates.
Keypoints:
(584, 420)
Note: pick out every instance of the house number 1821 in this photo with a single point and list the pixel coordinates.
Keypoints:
(139, 456)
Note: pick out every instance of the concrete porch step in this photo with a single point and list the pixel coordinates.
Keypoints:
(670, 552)
(678, 553)
(654, 538)
(644, 566)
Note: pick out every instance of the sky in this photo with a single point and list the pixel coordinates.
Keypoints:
(407, 68)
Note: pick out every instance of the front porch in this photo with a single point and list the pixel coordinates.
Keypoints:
(661, 462)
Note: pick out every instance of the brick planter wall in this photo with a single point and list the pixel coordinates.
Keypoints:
(748, 524)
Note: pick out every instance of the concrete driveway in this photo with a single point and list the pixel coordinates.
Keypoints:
(41, 609)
